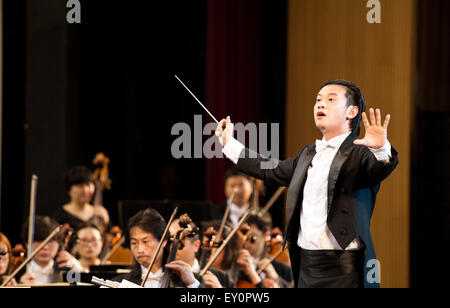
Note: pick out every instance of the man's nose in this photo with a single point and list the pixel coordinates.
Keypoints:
(140, 247)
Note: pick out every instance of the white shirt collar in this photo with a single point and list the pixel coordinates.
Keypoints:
(43, 274)
(237, 212)
(153, 280)
(333, 143)
(338, 140)
(196, 267)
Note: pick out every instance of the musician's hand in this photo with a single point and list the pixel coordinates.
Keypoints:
(65, 259)
(12, 283)
(28, 278)
(269, 270)
(225, 135)
(376, 132)
(245, 261)
(183, 270)
(271, 284)
(211, 281)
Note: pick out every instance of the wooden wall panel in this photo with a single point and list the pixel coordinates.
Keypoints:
(330, 39)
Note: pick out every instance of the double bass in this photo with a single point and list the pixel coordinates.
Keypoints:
(113, 251)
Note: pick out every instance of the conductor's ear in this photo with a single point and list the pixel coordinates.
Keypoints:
(352, 112)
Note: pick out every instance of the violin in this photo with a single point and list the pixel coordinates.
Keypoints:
(177, 244)
(244, 236)
(18, 256)
(65, 237)
(115, 253)
(275, 246)
(59, 230)
(225, 242)
(208, 243)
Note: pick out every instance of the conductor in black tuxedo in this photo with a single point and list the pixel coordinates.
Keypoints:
(333, 185)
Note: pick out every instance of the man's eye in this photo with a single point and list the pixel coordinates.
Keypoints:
(331, 99)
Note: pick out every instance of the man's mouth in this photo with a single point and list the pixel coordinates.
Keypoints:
(321, 114)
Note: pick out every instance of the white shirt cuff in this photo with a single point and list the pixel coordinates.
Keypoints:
(383, 154)
(233, 150)
(194, 285)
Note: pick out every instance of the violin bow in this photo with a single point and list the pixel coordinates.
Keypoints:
(225, 242)
(272, 200)
(224, 219)
(260, 270)
(31, 218)
(60, 229)
(159, 246)
(113, 250)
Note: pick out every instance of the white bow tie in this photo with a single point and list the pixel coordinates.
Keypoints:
(322, 145)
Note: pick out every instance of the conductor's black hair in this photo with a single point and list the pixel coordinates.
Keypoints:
(354, 98)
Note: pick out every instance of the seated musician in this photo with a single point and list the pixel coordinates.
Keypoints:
(228, 256)
(47, 264)
(213, 278)
(80, 188)
(242, 186)
(145, 232)
(89, 244)
(5, 259)
(252, 256)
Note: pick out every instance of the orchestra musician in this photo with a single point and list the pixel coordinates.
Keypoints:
(241, 185)
(79, 186)
(88, 247)
(214, 278)
(228, 256)
(146, 229)
(332, 188)
(46, 266)
(252, 257)
(5, 259)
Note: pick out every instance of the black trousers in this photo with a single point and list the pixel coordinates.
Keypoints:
(331, 269)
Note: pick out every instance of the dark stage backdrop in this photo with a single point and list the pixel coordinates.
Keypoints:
(72, 90)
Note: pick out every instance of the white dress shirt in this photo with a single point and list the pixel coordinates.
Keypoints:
(42, 274)
(237, 212)
(154, 279)
(314, 233)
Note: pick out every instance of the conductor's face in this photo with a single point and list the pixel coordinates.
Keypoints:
(331, 113)
(143, 246)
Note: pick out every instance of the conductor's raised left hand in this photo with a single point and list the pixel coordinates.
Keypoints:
(376, 132)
